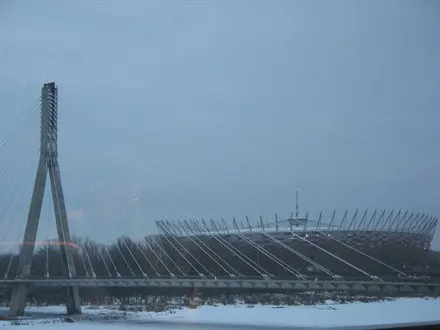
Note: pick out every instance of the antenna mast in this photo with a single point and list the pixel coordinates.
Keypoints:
(297, 203)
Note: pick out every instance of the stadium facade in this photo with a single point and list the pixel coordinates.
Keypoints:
(363, 244)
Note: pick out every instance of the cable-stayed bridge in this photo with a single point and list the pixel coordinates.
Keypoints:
(376, 251)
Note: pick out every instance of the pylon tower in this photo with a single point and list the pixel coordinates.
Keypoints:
(48, 163)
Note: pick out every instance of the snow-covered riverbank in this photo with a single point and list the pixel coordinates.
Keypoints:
(330, 313)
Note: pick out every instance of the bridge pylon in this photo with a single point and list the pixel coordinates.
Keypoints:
(48, 164)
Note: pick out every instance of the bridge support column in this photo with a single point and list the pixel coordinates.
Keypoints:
(18, 301)
(73, 301)
(48, 163)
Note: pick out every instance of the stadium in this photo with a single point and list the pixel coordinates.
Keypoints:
(377, 245)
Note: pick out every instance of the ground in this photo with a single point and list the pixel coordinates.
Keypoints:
(401, 310)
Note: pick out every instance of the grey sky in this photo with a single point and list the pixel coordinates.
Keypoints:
(214, 109)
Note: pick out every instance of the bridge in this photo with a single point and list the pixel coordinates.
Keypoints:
(193, 254)
(354, 286)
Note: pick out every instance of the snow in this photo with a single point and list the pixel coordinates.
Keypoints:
(397, 311)
(403, 310)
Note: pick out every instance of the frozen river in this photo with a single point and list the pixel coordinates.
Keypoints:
(352, 316)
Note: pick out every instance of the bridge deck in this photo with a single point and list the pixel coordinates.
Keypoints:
(296, 285)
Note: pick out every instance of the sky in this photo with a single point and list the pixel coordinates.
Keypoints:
(209, 109)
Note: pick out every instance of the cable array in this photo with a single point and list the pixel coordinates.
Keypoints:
(18, 155)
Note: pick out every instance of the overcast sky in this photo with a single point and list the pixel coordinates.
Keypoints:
(174, 109)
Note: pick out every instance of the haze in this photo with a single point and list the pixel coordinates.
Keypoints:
(178, 109)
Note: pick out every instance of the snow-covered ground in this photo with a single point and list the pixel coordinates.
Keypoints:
(403, 310)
